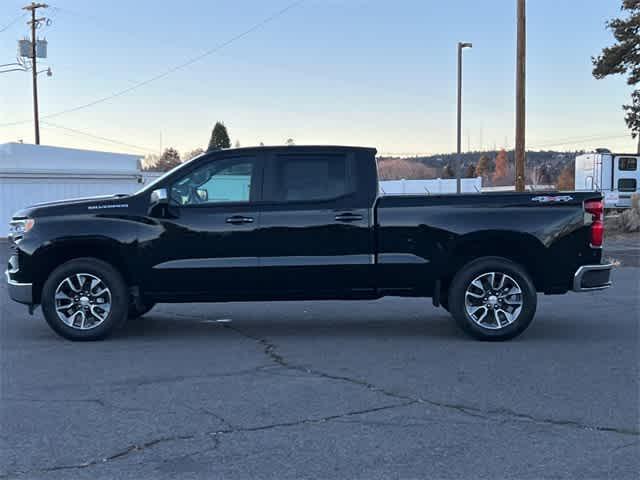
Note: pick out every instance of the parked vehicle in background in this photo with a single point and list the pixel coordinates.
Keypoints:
(284, 223)
(617, 176)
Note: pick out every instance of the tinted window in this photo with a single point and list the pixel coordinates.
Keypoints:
(627, 185)
(296, 178)
(216, 182)
(628, 164)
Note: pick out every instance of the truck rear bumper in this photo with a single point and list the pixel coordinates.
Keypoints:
(19, 292)
(592, 277)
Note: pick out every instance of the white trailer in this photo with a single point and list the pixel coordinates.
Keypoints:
(617, 176)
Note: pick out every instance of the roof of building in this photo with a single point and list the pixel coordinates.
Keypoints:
(25, 158)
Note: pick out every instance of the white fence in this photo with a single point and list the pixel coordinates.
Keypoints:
(429, 187)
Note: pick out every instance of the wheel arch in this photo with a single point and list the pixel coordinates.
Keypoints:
(521, 248)
(54, 255)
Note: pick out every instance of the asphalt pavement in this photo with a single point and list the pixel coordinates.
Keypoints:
(367, 390)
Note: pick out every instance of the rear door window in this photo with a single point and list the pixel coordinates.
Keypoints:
(308, 178)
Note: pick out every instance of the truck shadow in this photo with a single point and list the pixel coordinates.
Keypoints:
(432, 325)
(163, 326)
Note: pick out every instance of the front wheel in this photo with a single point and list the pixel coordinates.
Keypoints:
(492, 298)
(85, 299)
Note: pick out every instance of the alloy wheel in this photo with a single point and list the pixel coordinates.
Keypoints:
(83, 301)
(493, 300)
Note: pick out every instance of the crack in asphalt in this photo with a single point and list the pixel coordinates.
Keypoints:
(216, 434)
(270, 349)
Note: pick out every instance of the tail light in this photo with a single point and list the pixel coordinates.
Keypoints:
(596, 209)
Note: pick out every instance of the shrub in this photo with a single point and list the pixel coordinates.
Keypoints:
(629, 220)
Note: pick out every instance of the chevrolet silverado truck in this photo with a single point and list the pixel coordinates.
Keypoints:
(301, 222)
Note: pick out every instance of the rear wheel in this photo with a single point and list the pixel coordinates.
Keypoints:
(492, 298)
(85, 299)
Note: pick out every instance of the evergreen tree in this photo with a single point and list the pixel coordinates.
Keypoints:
(624, 58)
(219, 137)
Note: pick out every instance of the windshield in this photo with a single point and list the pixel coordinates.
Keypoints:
(152, 185)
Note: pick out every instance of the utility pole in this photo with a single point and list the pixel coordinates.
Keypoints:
(461, 46)
(34, 71)
(520, 95)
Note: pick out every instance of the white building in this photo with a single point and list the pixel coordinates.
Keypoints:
(36, 173)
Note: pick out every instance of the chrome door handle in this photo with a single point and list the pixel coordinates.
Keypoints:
(348, 217)
(238, 219)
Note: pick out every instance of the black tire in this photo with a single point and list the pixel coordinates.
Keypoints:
(463, 280)
(112, 280)
(138, 309)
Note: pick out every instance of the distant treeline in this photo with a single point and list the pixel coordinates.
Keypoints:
(497, 167)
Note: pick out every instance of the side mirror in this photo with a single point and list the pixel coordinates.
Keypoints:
(159, 197)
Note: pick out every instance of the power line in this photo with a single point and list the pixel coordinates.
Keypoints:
(98, 137)
(12, 22)
(578, 140)
(170, 70)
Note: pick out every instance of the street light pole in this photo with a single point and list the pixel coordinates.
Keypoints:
(461, 46)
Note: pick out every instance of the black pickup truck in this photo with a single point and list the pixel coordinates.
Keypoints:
(298, 222)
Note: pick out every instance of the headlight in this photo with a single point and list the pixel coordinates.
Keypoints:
(20, 227)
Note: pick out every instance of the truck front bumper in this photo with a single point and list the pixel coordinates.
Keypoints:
(592, 277)
(20, 292)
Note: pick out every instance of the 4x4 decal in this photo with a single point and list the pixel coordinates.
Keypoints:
(552, 199)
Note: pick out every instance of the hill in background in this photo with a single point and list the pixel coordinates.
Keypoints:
(496, 167)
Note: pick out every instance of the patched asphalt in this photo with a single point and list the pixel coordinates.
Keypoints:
(380, 389)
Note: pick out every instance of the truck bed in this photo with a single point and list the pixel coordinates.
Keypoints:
(452, 228)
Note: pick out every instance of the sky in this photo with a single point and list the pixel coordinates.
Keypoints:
(355, 72)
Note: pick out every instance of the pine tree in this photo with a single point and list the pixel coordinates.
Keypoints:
(624, 58)
(219, 137)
